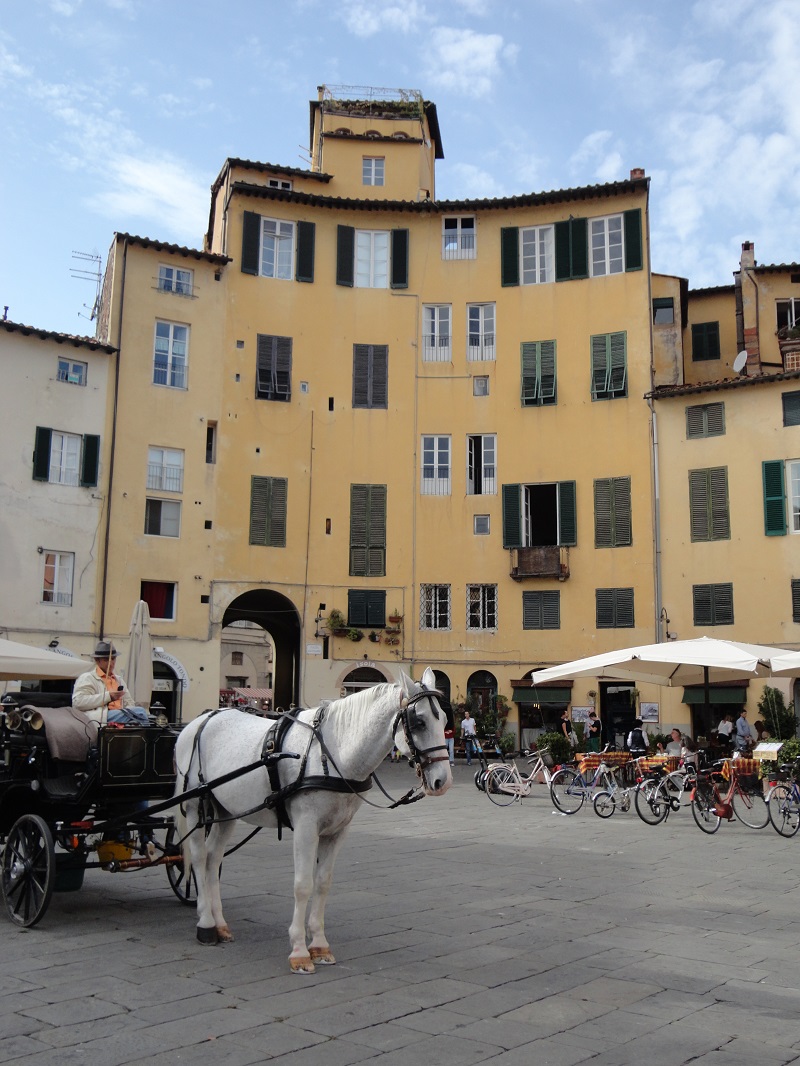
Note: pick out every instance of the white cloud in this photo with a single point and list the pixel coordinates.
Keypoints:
(11, 66)
(599, 156)
(465, 61)
(65, 7)
(472, 183)
(156, 191)
(474, 7)
(365, 18)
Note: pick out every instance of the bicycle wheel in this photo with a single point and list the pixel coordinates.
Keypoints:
(567, 791)
(784, 812)
(704, 804)
(649, 804)
(604, 804)
(501, 787)
(751, 808)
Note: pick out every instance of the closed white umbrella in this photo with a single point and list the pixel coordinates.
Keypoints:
(139, 675)
(20, 662)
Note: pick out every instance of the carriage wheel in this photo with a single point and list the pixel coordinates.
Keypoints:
(185, 888)
(28, 870)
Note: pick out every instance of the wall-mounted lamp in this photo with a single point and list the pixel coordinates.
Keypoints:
(53, 644)
(665, 622)
(40, 549)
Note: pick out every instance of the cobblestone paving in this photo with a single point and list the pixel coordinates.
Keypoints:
(465, 933)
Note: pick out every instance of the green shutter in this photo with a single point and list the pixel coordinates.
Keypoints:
(345, 255)
(567, 514)
(529, 391)
(509, 255)
(357, 607)
(774, 499)
(623, 532)
(617, 364)
(795, 600)
(273, 367)
(367, 530)
(259, 507)
(399, 275)
(718, 498)
(376, 558)
(277, 516)
(251, 243)
(603, 519)
(701, 605)
(304, 263)
(376, 607)
(705, 341)
(268, 511)
(358, 530)
(90, 460)
(512, 516)
(791, 408)
(563, 256)
(41, 454)
(547, 371)
(572, 250)
(609, 365)
(633, 239)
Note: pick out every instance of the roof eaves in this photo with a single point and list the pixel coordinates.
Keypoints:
(174, 249)
(60, 338)
(712, 290)
(775, 268)
(663, 392)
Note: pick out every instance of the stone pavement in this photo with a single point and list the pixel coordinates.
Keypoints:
(465, 933)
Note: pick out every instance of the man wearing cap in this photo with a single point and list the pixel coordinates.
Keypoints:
(103, 696)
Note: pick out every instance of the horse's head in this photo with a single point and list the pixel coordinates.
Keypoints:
(419, 732)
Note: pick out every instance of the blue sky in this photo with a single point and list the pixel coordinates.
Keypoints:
(118, 114)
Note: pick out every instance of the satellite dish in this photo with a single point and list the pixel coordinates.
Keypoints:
(739, 361)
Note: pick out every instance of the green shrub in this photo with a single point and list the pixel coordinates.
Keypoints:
(776, 716)
(790, 750)
(558, 746)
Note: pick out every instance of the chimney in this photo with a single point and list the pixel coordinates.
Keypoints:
(637, 172)
(748, 260)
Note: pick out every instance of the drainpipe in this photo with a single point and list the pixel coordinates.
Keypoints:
(300, 675)
(654, 456)
(113, 442)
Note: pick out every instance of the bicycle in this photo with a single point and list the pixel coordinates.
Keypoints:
(569, 789)
(661, 793)
(710, 805)
(783, 801)
(619, 794)
(504, 784)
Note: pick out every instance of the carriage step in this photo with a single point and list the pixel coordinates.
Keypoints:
(68, 786)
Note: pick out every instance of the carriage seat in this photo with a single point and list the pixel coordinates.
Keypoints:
(69, 733)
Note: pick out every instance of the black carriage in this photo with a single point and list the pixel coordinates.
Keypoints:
(75, 797)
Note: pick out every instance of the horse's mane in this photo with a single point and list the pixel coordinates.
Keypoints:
(352, 712)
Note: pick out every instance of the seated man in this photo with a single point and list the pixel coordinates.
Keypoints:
(102, 695)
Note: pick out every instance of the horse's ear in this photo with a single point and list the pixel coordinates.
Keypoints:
(429, 678)
(406, 684)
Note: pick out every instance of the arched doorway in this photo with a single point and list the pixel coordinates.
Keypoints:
(443, 685)
(360, 678)
(275, 613)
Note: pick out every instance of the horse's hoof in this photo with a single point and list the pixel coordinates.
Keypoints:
(301, 964)
(322, 956)
(225, 935)
(207, 936)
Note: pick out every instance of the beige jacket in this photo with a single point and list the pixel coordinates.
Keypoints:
(91, 696)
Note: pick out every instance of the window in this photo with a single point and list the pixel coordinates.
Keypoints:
(705, 341)
(366, 607)
(713, 604)
(268, 511)
(795, 600)
(480, 385)
(793, 486)
(609, 366)
(481, 606)
(277, 248)
(607, 246)
(663, 311)
(481, 525)
(162, 518)
(480, 331)
(614, 608)
(435, 466)
(273, 368)
(612, 512)
(237, 658)
(458, 237)
(211, 442)
(72, 372)
(539, 515)
(171, 350)
(370, 375)
(66, 458)
(372, 259)
(362, 258)
(372, 170)
(57, 584)
(537, 255)
(434, 607)
(171, 279)
(538, 373)
(165, 469)
(367, 530)
(788, 313)
(541, 610)
(708, 504)
(791, 408)
(705, 420)
(482, 465)
(160, 597)
(279, 183)
(272, 246)
(436, 337)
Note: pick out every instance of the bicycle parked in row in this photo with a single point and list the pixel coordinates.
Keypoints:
(783, 801)
(712, 800)
(570, 789)
(504, 784)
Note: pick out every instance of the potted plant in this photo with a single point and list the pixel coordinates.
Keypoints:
(337, 623)
(375, 637)
(354, 635)
(507, 743)
(395, 617)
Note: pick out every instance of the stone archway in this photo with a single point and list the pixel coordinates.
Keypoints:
(275, 613)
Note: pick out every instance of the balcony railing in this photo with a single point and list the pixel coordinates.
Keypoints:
(548, 560)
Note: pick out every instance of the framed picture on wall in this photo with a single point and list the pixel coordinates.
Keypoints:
(648, 712)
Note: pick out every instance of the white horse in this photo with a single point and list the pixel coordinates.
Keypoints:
(340, 745)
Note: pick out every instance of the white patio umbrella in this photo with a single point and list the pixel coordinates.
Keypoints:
(139, 675)
(20, 662)
(787, 664)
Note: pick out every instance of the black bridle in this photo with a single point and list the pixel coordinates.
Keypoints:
(413, 722)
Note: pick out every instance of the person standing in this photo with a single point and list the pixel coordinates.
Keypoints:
(595, 731)
(638, 740)
(450, 740)
(743, 738)
(102, 694)
(469, 735)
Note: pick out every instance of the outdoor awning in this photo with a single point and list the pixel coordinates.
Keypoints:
(254, 693)
(716, 694)
(542, 694)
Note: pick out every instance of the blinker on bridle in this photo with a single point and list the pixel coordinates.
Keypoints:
(413, 721)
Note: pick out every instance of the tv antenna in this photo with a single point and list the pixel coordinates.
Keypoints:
(87, 273)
